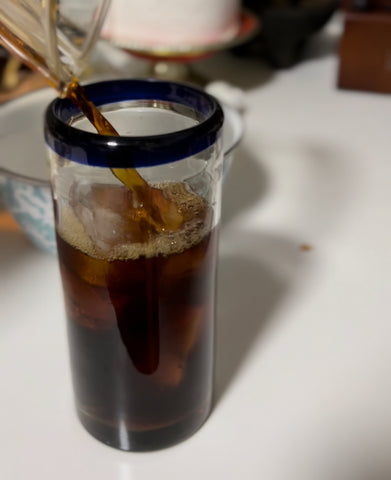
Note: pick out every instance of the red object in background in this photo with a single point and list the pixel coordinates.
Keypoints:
(365, 52)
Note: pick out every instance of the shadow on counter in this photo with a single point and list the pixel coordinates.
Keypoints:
(251, 288)
(245, 185)
(254, 277)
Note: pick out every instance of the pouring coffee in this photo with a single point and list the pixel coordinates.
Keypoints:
(56, 39)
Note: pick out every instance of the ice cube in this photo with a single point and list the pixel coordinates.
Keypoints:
(181, 338)
(110, 215)
(171, 217)
(88, 305)
(171, 370)
(187, 330)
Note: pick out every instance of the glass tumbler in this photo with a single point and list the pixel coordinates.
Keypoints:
(140, 300)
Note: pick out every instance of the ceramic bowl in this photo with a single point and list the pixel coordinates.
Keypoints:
(25, 184)
(24, 174)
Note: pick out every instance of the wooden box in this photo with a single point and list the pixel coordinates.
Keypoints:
(365, 52)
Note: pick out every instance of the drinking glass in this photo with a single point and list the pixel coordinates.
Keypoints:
(139, 297)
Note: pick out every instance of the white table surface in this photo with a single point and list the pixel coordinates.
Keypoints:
(303, 378)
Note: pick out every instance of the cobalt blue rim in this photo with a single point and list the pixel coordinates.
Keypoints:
(133, 151)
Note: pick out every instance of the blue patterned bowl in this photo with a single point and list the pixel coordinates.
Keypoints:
(31, 206)
(24, 171)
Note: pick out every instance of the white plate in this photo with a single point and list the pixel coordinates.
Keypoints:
(22, 146)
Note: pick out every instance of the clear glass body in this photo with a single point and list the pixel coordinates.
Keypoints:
(140, 303)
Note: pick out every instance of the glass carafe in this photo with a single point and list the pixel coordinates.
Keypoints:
(54, 37)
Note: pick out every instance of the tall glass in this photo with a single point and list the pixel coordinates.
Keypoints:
(140, 301)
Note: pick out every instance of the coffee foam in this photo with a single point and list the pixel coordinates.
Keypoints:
(197, 216)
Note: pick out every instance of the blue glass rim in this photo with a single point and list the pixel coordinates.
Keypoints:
(133, 151)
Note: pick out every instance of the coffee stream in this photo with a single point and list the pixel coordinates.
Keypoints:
(153, 207)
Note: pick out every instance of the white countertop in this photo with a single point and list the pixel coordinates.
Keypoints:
(303, 379)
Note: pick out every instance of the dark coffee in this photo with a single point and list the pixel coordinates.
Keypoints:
(140, 323)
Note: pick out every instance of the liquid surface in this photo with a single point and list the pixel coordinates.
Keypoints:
(102, 222)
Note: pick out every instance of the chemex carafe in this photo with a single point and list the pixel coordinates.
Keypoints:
(53, 37)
